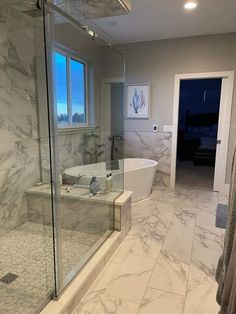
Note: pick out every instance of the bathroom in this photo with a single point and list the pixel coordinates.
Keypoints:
(92, 218)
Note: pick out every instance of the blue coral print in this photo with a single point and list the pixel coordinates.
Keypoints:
(138, 102)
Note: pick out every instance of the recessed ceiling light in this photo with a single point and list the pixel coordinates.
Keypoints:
(190, 5)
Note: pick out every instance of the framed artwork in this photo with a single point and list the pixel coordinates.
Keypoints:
(138, 101)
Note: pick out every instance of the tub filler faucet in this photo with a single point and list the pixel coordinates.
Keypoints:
(113, 148)
(78, 179)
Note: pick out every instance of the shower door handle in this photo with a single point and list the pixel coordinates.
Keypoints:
(218, 142)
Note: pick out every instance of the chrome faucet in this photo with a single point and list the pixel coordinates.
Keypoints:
(113, 149)
(78, 179)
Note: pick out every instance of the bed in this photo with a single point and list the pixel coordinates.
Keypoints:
(197, 138)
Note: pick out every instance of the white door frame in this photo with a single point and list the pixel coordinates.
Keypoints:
(223, 126)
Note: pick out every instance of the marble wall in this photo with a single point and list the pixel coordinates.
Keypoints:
(74, 148)
(76, 214)
(149, 145)
(24, 141)
(19, 149)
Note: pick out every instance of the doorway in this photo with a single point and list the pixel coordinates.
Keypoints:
(112, 92)
(204, 158)
(199, 106)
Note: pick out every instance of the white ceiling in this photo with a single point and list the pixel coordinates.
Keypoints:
(161, 19)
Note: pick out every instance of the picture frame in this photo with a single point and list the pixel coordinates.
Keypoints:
(138, 101)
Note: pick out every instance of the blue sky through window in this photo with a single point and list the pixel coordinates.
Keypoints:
(77, 89)
(61, 83)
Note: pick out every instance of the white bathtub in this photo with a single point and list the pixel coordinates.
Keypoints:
(138, 175)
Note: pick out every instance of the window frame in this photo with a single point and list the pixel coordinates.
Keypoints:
(74, 56)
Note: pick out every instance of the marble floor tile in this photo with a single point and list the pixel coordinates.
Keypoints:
(179, 238)
(185, 216)
(143, 208)
(170, 272)
(201, 298)
(203, 266)
(198, 275)
(131, 279)
(137, 226)
(205, 259)
(146, 246)
(124, 248)
(149, 240)
(139, 218)
(112, 305)
(208, 237)
(165, 198)
(78, 311)
(167, 262)
(93, 296)
(156, 301)
(205, 218)
(164, 207)
(207, 201)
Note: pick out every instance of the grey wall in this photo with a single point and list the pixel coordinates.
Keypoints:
(157, 62)
(117, 105)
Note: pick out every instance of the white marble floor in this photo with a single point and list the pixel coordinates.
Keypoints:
(166, 265)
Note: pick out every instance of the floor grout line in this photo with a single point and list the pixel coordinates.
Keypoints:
(155, 264)
(191, 254)
(191, 202)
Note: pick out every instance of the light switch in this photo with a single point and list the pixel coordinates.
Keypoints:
(155, 128)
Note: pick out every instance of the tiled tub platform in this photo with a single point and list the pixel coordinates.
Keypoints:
(77, 209)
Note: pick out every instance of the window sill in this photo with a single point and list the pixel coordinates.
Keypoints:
(77, 129)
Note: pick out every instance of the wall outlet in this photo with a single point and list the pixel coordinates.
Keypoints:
(155, 128)
(167, 128)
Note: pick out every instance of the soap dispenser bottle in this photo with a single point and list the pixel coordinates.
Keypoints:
(111, 181)
(107, 189)
(94, 186)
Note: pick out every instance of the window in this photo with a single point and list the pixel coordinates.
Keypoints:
(70, 90)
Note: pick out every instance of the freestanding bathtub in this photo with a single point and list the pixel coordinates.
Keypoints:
(138, 175)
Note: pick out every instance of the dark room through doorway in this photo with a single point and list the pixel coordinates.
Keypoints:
(199, 105)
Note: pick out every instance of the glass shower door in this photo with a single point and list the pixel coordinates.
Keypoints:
(83, 212)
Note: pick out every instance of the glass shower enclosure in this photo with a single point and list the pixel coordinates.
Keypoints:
(56, 135)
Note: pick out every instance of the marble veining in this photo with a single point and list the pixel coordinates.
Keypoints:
(19, 149)
(167, 261)
(149, 145)
(72, 151)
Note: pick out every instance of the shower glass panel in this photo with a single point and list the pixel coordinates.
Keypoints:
(82, 141)
(26, 234)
